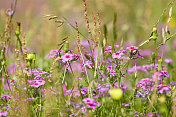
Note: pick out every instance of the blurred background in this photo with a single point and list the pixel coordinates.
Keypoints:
(135, 19)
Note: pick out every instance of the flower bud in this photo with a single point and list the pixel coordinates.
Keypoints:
(30, 56)
(154, 32)
(18, 29)
(159, 63)
(66, 46)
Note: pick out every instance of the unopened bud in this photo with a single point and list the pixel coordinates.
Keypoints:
(66, 46)
(18, 29)
(30, 56)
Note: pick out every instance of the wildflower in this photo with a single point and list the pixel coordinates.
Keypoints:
(103, 89)
(79, 79)
(108, 49)
(117, 55)
(112, 73)
(117, 46)
(116, 94)
(134, 52)
(88, 100)
(54, 53)
(168, 61)
(126, 104)
(30, 56)
(10, 12)
(163, 88)
(3, 113)
(6, 97)
(109, 68)
(36, 83)
(91, 103)
(164, 73)
(131, 48)
(73, 115)
(89, 64)
(29, 99)
(67, 57)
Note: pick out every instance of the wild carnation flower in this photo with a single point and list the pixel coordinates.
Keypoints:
(165, 73)
(132, 48)
(6, 97)
(168, 61)
(117, 55)
(112, 73)
(38, 74)
(109, 68)
(91, 103)
(73, 115)
(126, 104)
(67, 57)
(108, 49)
(54, 53)
(3, 113)
(89, 64)
(163, 88)
(116, 94)
(36, 83)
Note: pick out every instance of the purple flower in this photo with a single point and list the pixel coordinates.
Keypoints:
(108, 49)
(109, 68)
(6, 97)
(126, 104)
(146, 84)
(132, 48)
(3, 113)
(79, 79)
(165, 73)
(117, 55)
(112, 73)
(89, 64)
(91, 103)
(38, 74)
(146, 53)
(103, 89)
(73, 115)
(142, 114)
(36, 83)
(83, 110)
(156, 75)
(88, 100)
(54, 53)
(29, 99)
(117, 46)
(168, 61)
(163, 88)
(10, 12)
(67, 57)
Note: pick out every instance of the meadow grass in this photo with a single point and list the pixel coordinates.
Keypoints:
(101, 69)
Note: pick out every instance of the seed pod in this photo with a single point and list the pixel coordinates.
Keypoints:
(66, 46)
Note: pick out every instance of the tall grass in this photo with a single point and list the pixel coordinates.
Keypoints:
(99, 74)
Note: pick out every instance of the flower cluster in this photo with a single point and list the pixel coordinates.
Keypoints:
(91, 103)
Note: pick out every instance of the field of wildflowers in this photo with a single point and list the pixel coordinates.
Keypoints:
(88, 58)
